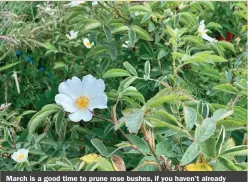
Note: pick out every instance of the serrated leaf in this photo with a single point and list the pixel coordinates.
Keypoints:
(116, 73)
(190, 154)
(133, 120)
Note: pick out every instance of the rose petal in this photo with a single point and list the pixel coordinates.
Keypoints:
(99, 102)
(66, 102)
(79, 115)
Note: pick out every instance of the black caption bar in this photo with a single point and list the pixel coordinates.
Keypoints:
(83, 176)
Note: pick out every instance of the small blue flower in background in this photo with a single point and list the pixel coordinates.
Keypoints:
(49, 74)
(42, 69)
(18, 53)
(89, 137)
(28, 59)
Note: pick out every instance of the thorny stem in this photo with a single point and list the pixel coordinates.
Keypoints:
(118, 12)
(114, 111)
(150, 147)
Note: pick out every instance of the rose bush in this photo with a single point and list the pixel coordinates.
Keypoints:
(139, 86)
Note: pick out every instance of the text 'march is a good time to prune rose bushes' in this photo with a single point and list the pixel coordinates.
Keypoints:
(123, 86)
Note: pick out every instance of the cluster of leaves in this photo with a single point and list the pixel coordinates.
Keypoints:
(176, 100)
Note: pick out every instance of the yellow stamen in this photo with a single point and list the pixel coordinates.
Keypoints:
(20, 156)
(82, 102)
(88, 44)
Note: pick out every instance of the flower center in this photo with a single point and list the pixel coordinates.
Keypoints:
(82, 102)
(88, 44)
(20, 156)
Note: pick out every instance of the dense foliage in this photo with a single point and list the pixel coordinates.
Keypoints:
(177, 93)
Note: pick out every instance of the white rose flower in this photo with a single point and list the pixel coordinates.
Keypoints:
(94, 3)
(20, 156)
(203, 32)
(87, 43)
(126, 44)
(72, 35)
(81, 97)
(75, 3)
(4, 107)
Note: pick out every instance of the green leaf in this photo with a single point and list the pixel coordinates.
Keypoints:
(227, 163)
(213, 25)
(147, 69)
(2, 68)
(227, 45)
(59, 65)
(130, 68)
(208, 147)
(208, 5)
(132, 37)
(141, 8)
(171, 31)
(228, 88)
(97, 51)
(160, 101)
(40, 116)
(104, 165)
(120, 29)
(107, 32)
(139, 143)
(101, 148)
(162, 53)
(143, 34)
(91, 24)
(221, 114)
(241, 150)
(190, 154)
(59, 118)
(205, 130)
(220, 140)
(116, 73)
(232, 124)
(190, 117)
(133, 120)
(165, 148)
(134, 94)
